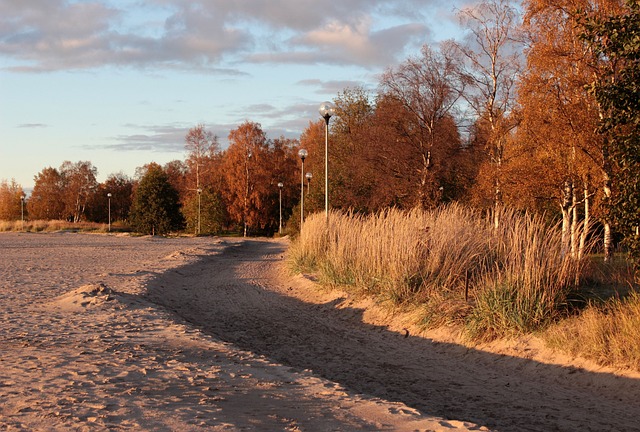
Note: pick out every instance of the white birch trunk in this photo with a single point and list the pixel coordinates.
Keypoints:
(607, 224)
(566, 216)
(585, 223)
(574, 222)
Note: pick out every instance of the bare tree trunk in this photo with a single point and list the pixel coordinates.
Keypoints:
(496, 206)
(566, 216)
(574, 222)
(586, 222)
(606, 223)
(423, 181)
(497, 199)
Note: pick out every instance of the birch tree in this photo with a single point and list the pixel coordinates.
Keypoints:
(244, 166)
(492, 53)
(428, 88)
(560, 116)
(200, 145)
(79, 184)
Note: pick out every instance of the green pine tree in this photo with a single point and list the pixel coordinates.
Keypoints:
(617, 40)
(156, 208)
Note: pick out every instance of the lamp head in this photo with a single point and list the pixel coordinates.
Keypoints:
(326, 110)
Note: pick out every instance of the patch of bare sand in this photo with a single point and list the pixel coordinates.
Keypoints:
(82, 349)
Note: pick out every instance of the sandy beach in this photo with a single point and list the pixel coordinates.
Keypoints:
(106, 332)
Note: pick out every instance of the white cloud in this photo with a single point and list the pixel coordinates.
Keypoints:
(331, 87)
(157, 138)
(211, 35)
(58, 35)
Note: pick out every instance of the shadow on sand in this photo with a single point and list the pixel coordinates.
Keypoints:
(227, 296)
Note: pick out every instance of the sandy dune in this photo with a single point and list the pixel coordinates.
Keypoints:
(120, 333)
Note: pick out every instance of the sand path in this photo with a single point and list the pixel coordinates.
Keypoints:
(243, 297)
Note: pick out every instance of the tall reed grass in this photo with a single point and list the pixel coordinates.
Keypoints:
(450, 263)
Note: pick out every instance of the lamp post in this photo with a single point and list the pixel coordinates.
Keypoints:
(246, 194)
(326, 110)
(309, 176)
(109, 198)
(303, 155)
(280, 186)
(22, 210)
(199, 193)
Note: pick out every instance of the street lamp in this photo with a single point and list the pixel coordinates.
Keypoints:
(109, 198)
(22, 210)
(280, 186)
(303, 155)
(309, 176)
(326, 110)
(246, 194)
(199, 193)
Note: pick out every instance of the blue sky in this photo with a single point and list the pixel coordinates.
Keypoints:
(119, 83)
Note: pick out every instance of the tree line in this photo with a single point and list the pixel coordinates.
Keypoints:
(535, 109)
(209, 192)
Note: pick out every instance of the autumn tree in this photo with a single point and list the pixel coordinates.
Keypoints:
(47, 201)
(396, 163)
(245, 169)
(359, 178)
(177, 172)
(200, 145)
(428, 89)
(375, 157)
(283, 160)
(155, 209)
(555, 112)
(11, 196)
(492, 66)
(78, 185)
(200, 190)
(120, 186)
(558, 141)
(351, 178)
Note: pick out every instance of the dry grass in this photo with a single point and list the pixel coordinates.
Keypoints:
(450, 263)
(608, 334)
(54, 225)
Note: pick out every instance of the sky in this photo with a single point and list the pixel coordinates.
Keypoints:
(119, 83)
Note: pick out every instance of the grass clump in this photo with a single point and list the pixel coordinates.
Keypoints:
(451, 264)
(607, 333)
(530, 283)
